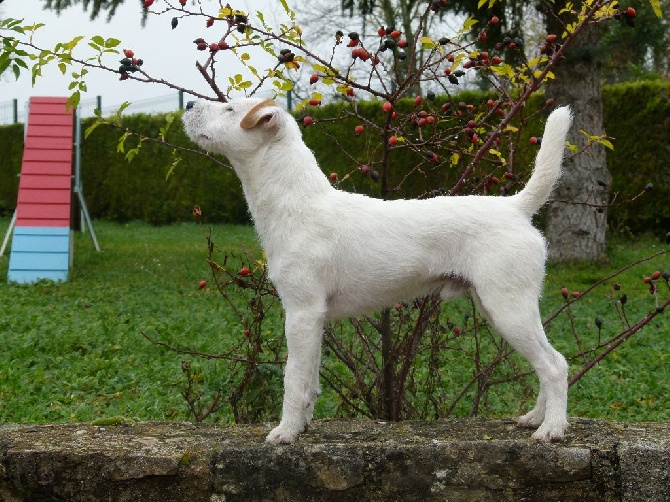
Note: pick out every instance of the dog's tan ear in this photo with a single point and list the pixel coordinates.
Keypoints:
(263, 113)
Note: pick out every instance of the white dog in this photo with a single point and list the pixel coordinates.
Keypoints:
(333, 254)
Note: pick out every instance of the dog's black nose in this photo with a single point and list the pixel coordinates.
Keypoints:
(189, 105)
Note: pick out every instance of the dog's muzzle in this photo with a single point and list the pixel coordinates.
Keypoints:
(190, 105)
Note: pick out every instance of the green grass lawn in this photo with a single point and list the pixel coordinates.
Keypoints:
(75, 352)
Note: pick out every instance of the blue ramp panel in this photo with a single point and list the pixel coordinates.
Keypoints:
(39, 253)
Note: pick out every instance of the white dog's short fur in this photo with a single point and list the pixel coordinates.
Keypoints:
(333, 254)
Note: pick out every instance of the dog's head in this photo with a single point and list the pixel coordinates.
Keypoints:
(237, 129)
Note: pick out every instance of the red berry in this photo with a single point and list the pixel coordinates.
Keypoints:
(148, 3)
(395, 34)
(128, 53)
(402, 43)
(576, 294)
(482, 37)
(490, 103)
(202, 46)
(418, 100)
(359, 130)
(432, 157)
(647, 280)
(209, 22)
(307, 120)
(333, 177)
(565, 292)
(244, 271)
(353, 42)
(202, 284)
(510, 176)
(495, 20)
(124, 76)
(549, 102)
(387, 106)
(535, 140)
(223, 45)
(183, 2)
(496, 60)
(512, 45)
(381, 31)
(551, 38)
(393, 140)
(430, 119)
(656, 275)
(457, 330)
(314, 102)
(213, 47)
(314, 79)
(364, 169)
(630, 12)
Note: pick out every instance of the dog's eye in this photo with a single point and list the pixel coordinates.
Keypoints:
(229, 108)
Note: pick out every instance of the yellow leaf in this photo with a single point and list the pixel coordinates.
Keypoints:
(469, 23)
(656, 5)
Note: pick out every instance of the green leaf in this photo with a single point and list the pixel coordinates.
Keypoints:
(111, 43)
(98, 40)
(121, 146)
(73, 43)
(91, 128)
(132, 153)
(73, 101)
(4, 62)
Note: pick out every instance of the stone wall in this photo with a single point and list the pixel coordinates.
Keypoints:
(449, 460)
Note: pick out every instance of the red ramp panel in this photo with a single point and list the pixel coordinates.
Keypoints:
(42, 240)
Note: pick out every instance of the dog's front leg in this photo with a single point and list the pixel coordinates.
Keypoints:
(304, 330)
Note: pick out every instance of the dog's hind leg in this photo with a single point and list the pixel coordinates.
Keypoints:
(304, 330)
(518, 321)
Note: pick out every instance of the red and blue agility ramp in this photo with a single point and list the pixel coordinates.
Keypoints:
(42, 241)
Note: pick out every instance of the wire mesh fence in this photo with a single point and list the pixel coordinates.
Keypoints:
(15, 111)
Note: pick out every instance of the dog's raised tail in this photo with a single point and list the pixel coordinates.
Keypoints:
(547, 163)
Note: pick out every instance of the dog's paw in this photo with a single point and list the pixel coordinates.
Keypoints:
(550, 432)
(532, 420)
(282, 435)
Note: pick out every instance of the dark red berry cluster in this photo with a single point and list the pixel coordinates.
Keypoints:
(129, 64)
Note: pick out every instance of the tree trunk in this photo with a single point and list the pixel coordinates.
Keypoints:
(577, 217)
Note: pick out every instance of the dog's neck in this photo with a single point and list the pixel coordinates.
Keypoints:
(278, 182)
